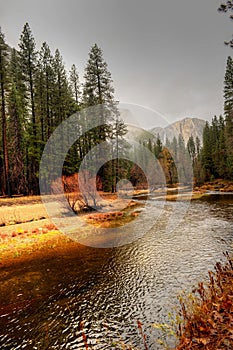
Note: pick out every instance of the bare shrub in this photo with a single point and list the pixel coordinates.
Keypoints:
(84, 198)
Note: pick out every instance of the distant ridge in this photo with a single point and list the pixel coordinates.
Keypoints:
(186, 127)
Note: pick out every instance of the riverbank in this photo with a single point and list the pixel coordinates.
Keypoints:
(204, 320)
(26, 229)
(207, 321)
(218, 185)
(27, 233)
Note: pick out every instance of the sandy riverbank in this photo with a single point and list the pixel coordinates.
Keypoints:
(26, 230)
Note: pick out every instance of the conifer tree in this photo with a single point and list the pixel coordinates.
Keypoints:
(191, 148)
(28, 58)
(228, 87)
(63, 104)
(44, 92)
(98, 87)
(74, 83)
(198, 145)
(17, 110)
(227, 7)
(174, 146)
(222, 164)
(98, 90)
(206, 154)
(182, 160)
(60, 87)
(228, 108)
(3, 83)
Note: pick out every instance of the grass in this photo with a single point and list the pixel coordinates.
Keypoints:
(21, 244)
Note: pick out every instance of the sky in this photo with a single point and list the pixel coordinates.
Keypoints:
(168, 56)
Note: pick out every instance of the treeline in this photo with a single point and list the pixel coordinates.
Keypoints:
(175, 159)
(37, 94)
(213, 157)
(216, 157)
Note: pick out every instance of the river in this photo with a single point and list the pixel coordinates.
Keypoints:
(103, 292)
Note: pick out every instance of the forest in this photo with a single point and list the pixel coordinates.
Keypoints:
(38, 94)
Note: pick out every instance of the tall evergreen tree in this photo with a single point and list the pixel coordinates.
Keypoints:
(228, 108)
(222, 163)
(206, 154)
(3, 82)
(227, 7)
(182, 160)
(98, 90)
(198, 145)
(17, 110)
(98, 87)
(28, 56)
(191, 148)
(63, 105)
(228, 87)
(74, 83)
(45, 82)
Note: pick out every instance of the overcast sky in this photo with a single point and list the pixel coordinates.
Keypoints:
(165, 55)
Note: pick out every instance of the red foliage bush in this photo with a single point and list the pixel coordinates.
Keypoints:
(208, 315)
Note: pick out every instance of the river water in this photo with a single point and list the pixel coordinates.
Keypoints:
(103, 292)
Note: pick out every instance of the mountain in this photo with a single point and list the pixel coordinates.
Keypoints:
(186, 127)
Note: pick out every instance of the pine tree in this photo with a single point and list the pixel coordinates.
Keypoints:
(17, 110)
(63, 106)
(191, 148)
(198, 145)
(98, 91)
(182, 161)
(206, 153)
(28, 57)
(174, 146)
(98, 87)
(45, 86)
(227, 7)
(222, 164)
(228, 87)
(3, 82)
(228, 107)
(60, 87)
(158, 147)
(74, 83)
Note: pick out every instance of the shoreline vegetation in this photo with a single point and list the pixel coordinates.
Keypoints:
(206, 313)
(203, 320)
(24, 220)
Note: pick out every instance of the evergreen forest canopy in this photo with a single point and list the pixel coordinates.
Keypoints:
(37, 94)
